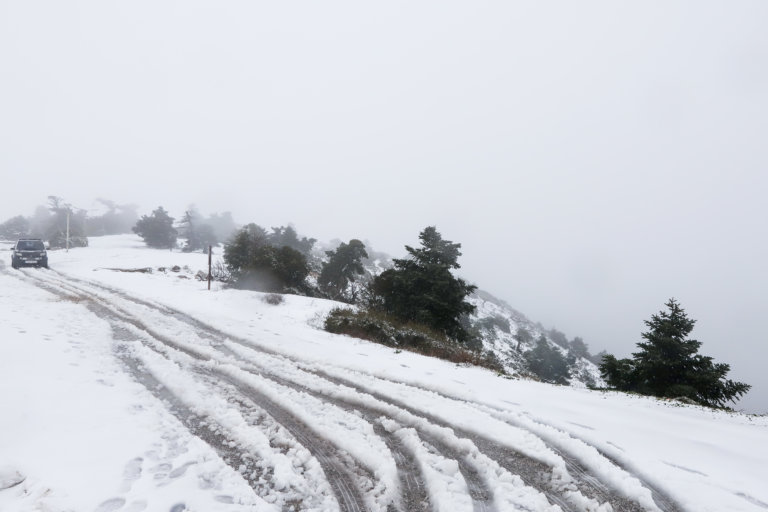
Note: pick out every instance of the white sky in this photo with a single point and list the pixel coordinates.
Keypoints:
(593, 158)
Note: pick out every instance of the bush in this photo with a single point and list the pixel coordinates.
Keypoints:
(254, 264)
(157, 229)
(386, 330)
(274, 299)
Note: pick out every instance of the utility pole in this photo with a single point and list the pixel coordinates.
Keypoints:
(68, 210)
(210, 252)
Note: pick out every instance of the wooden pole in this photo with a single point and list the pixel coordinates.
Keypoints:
(210, 252)
(67, 229)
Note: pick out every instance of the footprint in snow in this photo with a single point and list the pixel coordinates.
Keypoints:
(223, 498)
(161, 468)
(176, 473)
(136, 506)
(179, 507)
(132, 470)
(111, 505)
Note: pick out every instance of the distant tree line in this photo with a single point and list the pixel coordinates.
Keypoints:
(49, 223)
(160, 231)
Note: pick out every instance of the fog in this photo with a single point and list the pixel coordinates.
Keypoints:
(593, 158)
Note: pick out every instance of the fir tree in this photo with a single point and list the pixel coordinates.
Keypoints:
(287, 236)
(422, 289)
(157, 229)
(343, 266)
(255, 264)
(668, 364)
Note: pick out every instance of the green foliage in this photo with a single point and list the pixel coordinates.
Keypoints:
(255, 264)
(287, 236)
(343, 266)
(598, 358)
(422, 289)
(547, 362)
(157, 229)
(668, 364)
(619, 373)
(381, 328)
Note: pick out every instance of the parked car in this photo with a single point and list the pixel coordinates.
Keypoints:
(29, 252)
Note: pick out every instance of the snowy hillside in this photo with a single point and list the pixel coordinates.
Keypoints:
(501, 322)
(497, 323)
(132, 391)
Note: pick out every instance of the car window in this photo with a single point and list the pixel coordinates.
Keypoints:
(30, 245)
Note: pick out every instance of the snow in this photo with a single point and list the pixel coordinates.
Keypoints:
(82, 434)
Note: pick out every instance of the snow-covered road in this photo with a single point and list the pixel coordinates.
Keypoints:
(260, 415)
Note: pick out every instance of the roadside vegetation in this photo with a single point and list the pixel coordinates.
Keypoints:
(414, 303)
(668, 365)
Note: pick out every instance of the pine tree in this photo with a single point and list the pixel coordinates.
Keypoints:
(422, 289)
(287, 236)
(343, 266)
(666, 357)
(255, 264)
(668, 364)
(157, 229)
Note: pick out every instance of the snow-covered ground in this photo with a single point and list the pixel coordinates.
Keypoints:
(109, 401)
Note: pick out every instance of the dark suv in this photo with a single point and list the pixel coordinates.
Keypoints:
(29, 251)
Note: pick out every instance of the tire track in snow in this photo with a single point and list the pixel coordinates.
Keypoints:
(347, 493)
(535, 476)
(414, 493)
(479, 488)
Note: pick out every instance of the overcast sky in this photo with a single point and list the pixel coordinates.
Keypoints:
(593, 158)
